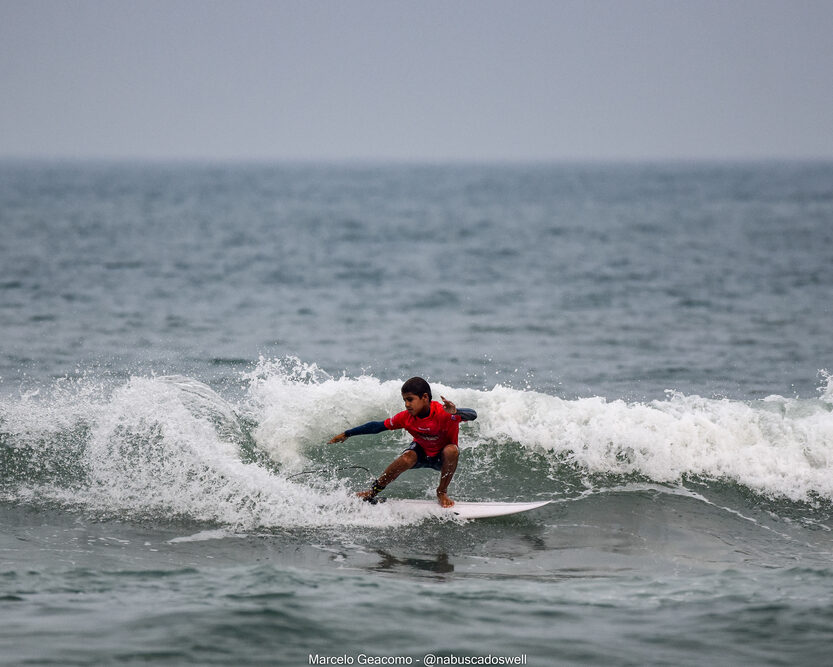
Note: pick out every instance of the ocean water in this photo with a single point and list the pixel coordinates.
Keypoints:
(648, 346)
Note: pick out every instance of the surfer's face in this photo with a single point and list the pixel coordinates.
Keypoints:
(416, 405)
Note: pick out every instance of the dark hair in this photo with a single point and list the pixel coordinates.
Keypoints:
(416, 386)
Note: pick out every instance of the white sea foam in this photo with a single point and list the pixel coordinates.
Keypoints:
(153, 454)
(777, 446)
(173, 448)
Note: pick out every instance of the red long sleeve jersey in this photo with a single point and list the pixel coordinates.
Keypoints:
(433, 432)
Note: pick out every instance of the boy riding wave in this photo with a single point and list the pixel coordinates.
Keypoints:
(434, 428)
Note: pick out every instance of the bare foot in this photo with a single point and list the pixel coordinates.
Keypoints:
(366, 495)
(444, 500)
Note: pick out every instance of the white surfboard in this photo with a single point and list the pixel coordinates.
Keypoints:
(469, 510)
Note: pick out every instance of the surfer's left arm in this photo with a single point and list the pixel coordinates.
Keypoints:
(466, 414)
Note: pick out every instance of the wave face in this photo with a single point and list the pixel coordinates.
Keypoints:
(173, 448)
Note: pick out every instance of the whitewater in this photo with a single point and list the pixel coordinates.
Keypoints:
(170, 446)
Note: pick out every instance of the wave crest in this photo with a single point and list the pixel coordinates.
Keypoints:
(171, 447)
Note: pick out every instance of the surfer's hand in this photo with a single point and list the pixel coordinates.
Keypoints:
(341, 437)
(450, 408)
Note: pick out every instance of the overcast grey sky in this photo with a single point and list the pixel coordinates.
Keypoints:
(428, 80)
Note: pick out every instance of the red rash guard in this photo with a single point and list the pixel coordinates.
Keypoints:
(433, 432)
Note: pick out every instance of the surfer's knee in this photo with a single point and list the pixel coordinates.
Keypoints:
(409, 457)
(450, 452)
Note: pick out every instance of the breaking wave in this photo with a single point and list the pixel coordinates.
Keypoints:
(172, 447)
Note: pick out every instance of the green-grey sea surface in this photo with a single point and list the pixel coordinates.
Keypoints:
(646, 346)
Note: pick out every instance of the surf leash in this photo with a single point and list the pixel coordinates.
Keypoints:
(373, 498)
(320, 470)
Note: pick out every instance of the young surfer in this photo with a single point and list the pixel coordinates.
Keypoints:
(434, 429)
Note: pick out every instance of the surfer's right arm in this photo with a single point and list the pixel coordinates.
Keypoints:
(365, 429)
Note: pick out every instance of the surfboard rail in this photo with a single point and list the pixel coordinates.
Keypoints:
(471, 509)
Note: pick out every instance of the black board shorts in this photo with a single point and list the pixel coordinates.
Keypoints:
(423, 460)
